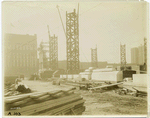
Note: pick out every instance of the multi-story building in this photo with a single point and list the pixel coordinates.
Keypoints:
(20, 54)
(141, 55)
(137, 55)
(134, 55)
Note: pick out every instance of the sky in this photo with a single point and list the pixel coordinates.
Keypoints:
(105, 24)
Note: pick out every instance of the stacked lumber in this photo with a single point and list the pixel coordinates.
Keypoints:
(59, 102)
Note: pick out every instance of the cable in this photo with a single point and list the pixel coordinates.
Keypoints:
(85, 56)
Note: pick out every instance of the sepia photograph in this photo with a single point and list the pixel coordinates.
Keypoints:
(75, 58)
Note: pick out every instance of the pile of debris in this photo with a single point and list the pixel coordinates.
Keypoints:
(136, 87)
(16, 88)
(132, 91)
(59, 102)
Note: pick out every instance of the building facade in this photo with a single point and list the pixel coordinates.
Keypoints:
(141, 55)
(137, 55)
(20, 54)
(134, 55)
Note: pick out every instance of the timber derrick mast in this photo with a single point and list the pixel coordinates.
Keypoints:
(94, 62)
(123, 55)
(72, 40)
(53, 52)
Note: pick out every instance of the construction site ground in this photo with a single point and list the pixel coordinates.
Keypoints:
(106, 103)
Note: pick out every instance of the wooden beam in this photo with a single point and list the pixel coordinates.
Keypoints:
(42, 98)
(99, 87)
(35, 96)
(21, 102)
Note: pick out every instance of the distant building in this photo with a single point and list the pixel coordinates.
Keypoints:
(134, 55)
(141, 55)
(137, 55)
(43, 56)
(20, 54)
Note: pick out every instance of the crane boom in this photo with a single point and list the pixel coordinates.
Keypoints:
(48, 31)
(61, 20)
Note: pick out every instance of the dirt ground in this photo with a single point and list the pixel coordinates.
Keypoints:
(106, 103)
(110, 103)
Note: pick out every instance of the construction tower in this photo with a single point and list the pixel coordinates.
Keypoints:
(53, 52)
(94, 62)
(123, 55)
(72, 39)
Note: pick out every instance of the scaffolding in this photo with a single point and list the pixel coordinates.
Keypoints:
(53, 52)
(94, 62)
(123, 55)
(72, 40)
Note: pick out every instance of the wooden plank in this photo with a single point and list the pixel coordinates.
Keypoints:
(129, 88)
(63, 108)
(71, 84)
(42, 98)
(35, 96)
(32, 95)
(12, 99)
(54, 92)
(46, 103)
(90, 82)
(106, 86)
(69, 92)
(64, 111)
(141, 89)
(57, 95)
(22, 95)
(52, 105)
(69, 89)
(16, 99)
(69, 110)
(79, 110)
(21, 102)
